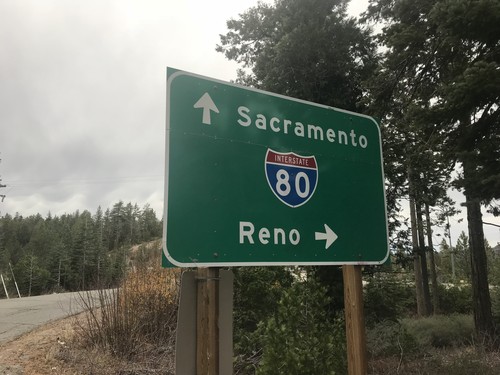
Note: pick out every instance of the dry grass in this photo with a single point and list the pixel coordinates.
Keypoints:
(39, 351)
(441, 345)
(467, 360)
(134, 323)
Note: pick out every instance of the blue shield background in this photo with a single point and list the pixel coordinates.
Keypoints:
(292, 199)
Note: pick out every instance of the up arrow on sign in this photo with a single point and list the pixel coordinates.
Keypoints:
(208, 105)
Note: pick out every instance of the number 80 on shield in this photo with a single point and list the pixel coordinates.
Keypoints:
(292, 178)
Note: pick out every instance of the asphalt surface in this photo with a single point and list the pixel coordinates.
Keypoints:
(21, 315)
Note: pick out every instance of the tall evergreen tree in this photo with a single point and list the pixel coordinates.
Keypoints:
(100, 259)
(305, 49)
(82, 250)
(470, 97)
(443, 57)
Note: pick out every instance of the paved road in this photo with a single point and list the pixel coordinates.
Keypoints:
(21, 315)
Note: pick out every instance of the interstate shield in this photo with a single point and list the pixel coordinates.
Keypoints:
(292, 178)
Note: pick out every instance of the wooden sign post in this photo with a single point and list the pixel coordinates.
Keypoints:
(200, 335)
(207, 327)
(354, 320)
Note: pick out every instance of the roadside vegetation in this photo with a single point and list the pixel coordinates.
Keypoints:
(293, 321)
(131, 327)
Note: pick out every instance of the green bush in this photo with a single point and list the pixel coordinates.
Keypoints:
(387, 298)
(495, 303)
(441, 330)
(389, 338)
(301, 338)
(257, 292)
(455, 299)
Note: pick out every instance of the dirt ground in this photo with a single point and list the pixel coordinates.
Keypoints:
(40, 351)
(55, 349)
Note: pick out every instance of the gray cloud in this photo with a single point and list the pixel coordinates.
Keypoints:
(82, 96)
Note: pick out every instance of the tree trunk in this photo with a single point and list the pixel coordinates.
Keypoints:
(452, 251)
(435, 289)
(416, 262)
(481, 301)
(423, 261)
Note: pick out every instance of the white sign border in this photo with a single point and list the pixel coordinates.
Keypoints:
(178, 73)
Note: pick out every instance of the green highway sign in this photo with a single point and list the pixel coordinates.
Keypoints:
(256, 178)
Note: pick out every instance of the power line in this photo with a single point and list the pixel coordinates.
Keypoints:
(83, 181)
(495, 225)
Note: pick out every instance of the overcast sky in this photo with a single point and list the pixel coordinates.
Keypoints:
(82, 96)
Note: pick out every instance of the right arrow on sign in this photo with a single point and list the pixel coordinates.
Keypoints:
(330, 236)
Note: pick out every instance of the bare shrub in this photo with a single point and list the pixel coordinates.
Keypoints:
(136, 319)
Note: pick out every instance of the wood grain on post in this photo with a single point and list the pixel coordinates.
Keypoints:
(354, 320)
(207, 327)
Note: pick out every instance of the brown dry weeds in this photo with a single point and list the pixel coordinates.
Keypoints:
(60, 348)
(56, 350)
(45, 350)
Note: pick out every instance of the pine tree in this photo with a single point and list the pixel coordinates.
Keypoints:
(443, 61)
(305, 49)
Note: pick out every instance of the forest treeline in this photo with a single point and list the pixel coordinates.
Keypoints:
(75, 251)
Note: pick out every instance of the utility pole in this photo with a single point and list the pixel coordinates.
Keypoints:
(14, 278)
(4, 287)
(2, 196)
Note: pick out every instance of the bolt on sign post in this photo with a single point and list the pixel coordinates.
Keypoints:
(256, 178)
